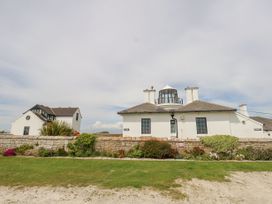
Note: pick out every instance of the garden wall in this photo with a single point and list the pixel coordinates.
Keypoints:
(113, 144)
(48, 142)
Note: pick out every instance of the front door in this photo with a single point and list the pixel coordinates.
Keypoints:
(173, 128)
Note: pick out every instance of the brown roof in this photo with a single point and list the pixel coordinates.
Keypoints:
(56, 111)
(267, 122)
(64, 111)
(196, 106)
(202, 106)
(144, 108)
(47, 109)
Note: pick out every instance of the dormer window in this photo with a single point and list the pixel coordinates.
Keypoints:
(77, 115)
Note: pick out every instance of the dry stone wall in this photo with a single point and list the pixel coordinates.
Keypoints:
(48, 142)
(113, 144)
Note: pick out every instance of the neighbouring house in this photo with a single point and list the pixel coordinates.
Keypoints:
(33, 119)
(167, 116)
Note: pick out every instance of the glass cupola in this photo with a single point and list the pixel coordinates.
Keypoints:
(168, 95)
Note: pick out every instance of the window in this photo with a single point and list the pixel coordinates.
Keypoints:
(173, 126)
(146, 125)
(201, 126)
(26, 130)
(77, 115)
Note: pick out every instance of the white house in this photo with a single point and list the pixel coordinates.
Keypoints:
(33, 119)
(169, 117)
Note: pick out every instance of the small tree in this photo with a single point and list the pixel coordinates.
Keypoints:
(84, 145)
(56, 128)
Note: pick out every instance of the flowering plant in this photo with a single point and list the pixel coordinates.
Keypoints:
(9, 152)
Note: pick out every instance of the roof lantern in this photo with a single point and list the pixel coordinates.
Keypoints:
(168, 95)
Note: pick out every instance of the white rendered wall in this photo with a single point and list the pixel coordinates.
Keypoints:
(246, 129)
(75, 124)
(226, 123)
(35, 124)
(217, 123)
(160, 125)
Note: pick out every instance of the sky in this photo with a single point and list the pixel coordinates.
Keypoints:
(100, 55)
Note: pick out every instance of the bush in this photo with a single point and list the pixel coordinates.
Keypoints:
(135, 152)
(56, 128)
(84, 145)
(2, 150)
(121, 153)
(61, 152)
(9, 152)
(251, 153)
(220, 143)
(158, 150)
(23, 148)
(32, 152)
(197, 151)
(42, 152)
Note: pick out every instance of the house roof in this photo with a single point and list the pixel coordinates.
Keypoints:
(196, 106)
(46, 109)
(202, 106)
(144, 108)
(64, 111)
(40, 116)
(267, 122)
(60, 111)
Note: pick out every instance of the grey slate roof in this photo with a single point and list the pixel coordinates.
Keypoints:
(64, 111)
(144, 108)
(267, 122)
(69, 111)
(196, 106)
(202, 106)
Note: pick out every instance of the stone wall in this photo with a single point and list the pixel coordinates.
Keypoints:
(48, 142)
(126, 143)
(113, 144)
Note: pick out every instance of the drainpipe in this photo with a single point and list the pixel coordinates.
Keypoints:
(176, 121)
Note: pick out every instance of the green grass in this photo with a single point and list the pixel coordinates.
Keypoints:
(19, 171)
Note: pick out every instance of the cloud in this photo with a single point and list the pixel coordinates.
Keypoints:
(100, 55)
(98, 125)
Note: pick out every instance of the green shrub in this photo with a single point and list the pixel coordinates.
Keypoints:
(221, 144)
(251, 153)
(158, 150)
(56, 128)
(60, 152)
(84, 146)
(197, 151)
(135, 152)
(2, 150)
(23, 148)
(42, 152)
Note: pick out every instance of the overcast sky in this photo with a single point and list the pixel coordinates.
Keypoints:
(100, 55)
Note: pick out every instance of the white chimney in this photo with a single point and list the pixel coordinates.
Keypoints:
(243, 109)
(191, 94)
(150, 95)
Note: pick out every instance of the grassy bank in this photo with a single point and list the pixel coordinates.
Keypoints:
(114, 173)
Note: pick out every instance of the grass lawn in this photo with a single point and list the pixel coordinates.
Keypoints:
(114, 173)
